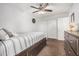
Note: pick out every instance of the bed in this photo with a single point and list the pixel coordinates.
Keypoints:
(23, 45)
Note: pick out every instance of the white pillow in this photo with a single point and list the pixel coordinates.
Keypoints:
(14, 34)
(3, 35)
(9, 33)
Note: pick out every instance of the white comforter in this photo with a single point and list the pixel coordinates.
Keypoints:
(17, 44)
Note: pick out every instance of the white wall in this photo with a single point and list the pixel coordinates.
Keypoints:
(63, 23)
(15, 19)
(75, 9)
(62, 26)
(41, 25)
(48, 25)
(20, 20)
(53, 26)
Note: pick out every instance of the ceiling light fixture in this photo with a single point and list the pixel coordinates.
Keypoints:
(41, 12)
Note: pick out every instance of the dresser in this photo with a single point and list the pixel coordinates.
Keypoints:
(71, 43)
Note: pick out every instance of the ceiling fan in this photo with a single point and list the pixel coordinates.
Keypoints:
(42, 7)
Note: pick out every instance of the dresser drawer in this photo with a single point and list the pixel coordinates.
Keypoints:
(70, 52)
(66, 35)
(73, 42)
(68, 49)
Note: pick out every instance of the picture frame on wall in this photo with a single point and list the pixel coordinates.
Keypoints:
(33, 20)
(72, 18)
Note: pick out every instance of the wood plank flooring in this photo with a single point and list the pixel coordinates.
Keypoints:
(53, 48)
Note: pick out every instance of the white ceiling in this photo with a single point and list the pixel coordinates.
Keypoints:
(58, 8)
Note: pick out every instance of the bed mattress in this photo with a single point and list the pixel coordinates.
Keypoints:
(16, 44)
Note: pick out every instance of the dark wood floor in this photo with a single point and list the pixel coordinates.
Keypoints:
(53, 48)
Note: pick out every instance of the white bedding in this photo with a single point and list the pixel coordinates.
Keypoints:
(17, 44)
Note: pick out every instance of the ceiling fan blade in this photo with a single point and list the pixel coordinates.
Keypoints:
(48, 10)
(34, 7)
(35, 11)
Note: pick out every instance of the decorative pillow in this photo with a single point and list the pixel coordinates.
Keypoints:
(10, 34)
(3, 35)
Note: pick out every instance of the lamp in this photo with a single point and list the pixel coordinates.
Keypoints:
(72, 27)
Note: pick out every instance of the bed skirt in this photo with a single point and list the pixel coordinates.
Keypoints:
(34, 49)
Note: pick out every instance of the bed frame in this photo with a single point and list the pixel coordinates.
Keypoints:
(34, 49)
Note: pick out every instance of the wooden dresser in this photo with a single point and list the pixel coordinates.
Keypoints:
(71, 43)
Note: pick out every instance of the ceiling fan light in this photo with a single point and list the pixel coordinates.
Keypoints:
(41, 12)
